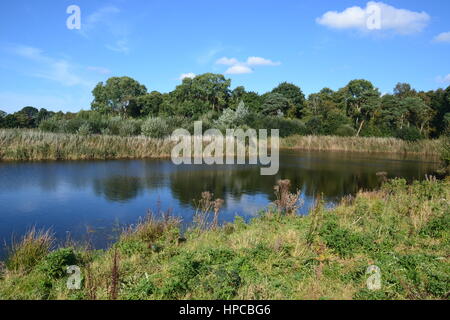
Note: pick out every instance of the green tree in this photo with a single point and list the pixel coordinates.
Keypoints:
(209, 89)
(237, 95)
(440, 104)
(3, 114)
(392, 114)
(10, 121)
(27, 117)
(43, 114)
(404, 90)
(362, 100)
(274, 104)
(295, 97)
(115, 95)
(319, 104)
(150, 104)
(419, 114)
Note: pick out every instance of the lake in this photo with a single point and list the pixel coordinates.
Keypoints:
(93, 199)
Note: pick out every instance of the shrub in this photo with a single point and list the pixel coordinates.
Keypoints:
(332, 121)
(315, 126)
(49, 125)
(141, 291)
(232, 119)
(445, 154)
(287, 127)
(437, 226)
(54, 265)
(85, 129)
(155, 128)
(371, 130)
(113, 124)
(345, 131)
(130, 128)
(409, 134)
(343, 241)
(106, 131)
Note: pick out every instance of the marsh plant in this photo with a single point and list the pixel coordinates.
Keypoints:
(286, 203)
(207, 211)
(27, 252)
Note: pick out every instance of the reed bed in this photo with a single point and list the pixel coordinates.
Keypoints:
(362, 144)
(35, 145)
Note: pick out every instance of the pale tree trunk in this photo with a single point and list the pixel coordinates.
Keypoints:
(360, 128)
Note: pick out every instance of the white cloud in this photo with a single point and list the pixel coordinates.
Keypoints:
(445, 79)
(227, 61)
(45, 67)
(443, 37)
(258, 61)
(106, 24)
(239, 69)
(401, 21)
(104, 16)
(189, 75)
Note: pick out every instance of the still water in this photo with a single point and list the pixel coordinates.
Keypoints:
(88, 200)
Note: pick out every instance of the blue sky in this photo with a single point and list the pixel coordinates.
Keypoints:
(257, 43)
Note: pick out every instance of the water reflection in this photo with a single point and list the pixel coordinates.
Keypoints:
(68, 196)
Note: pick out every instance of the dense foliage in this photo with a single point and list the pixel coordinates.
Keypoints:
(122, 105)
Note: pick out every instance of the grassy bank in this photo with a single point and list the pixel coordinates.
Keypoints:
(403, 229)
(34, 145)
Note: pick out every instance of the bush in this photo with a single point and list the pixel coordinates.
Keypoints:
(372, 130)
(49, 125)
(445, 154)
(232, 119)
(315, 126)
(287, 127)
(85, 129)
(54, 265)
(344, 242)
(437, 226)
(130, 128)
(409, 134)
(155, 128)
(345, 131)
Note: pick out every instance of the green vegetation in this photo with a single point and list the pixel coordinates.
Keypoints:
(403, 229)
(123, 113)
(122, 106)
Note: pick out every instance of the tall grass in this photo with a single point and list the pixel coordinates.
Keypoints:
(29, 250)
(362, 144)
(34, 145)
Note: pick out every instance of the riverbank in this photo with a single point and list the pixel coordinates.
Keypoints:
(403, 229)
(34, 145)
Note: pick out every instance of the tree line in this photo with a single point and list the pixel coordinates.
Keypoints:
(358, 109)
